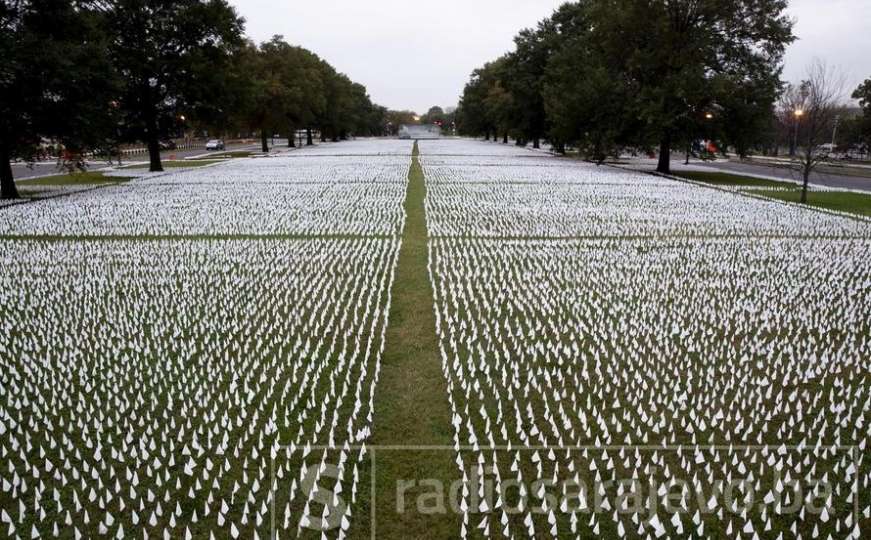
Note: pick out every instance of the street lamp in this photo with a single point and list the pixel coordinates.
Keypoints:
(798, 113)
(709, 116)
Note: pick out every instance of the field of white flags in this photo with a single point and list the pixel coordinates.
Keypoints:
(170, 347)
(196, 354)
(630, 356)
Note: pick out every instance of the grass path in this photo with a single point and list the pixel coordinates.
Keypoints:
(411, 400)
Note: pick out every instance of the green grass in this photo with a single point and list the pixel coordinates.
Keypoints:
(833, 168)
(411, 405)
(76, 178)
(224, 155)
(839, 201)
(726, 179)
(178, 164)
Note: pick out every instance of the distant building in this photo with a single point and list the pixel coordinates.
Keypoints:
(429, 131)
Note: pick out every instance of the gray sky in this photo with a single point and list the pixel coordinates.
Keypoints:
(413, 54)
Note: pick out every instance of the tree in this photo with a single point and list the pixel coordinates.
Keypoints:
(474, 115)
(300, 89)
(395, 119)
(671, 54)
(284, 89)
(863, 127)
(790, 107)
(587, 111)
(524, 75)
(435, 115)
(170, 56)
(817, 114)
(53, 81)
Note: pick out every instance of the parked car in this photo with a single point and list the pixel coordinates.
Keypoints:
(215, 144)
(167, 145)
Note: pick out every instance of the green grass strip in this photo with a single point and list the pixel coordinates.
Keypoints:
(838, 201)
(178, 164)
(726, 179)
(411, 400)
(72, 179)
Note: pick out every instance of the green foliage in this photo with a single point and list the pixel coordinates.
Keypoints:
(438, 116)
(475, 116)
(602, 74)
(53, 81)
(862, 126)
(170, 57)
(394, 119)
(289, 87)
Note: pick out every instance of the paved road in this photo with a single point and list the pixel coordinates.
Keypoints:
(824, 179)
(21, 171)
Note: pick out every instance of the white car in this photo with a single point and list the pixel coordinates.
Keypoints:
(215, 144)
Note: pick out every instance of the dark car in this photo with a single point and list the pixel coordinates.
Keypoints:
(167, 145)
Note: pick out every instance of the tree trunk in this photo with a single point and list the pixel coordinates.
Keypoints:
(664, 165)
(806, 173)
(154, 152)
(152, 136)
(536, 143)
(689, 151)
(264, 143)
(7, 182)
(308, 137)
(291, 143)
(505, 139)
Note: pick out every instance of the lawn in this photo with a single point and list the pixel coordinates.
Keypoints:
(179, 164)
(397, 317)
(76, 178)
(224, 155)
(839, 201)
(726, 179)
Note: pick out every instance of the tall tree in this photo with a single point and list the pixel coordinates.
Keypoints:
(673, 51)
(300, 86)
(53, 81)
(863, 124)
(474, 115)
(169, 55)
(589, 111)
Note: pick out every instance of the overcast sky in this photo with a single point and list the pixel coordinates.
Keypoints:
(414, 54)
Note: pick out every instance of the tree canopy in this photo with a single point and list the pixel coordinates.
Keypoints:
(169, 56)
(88, 75)
(601, 74)
(53, 82)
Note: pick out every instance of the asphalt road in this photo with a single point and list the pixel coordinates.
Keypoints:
(20, 171)
(823, 179)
